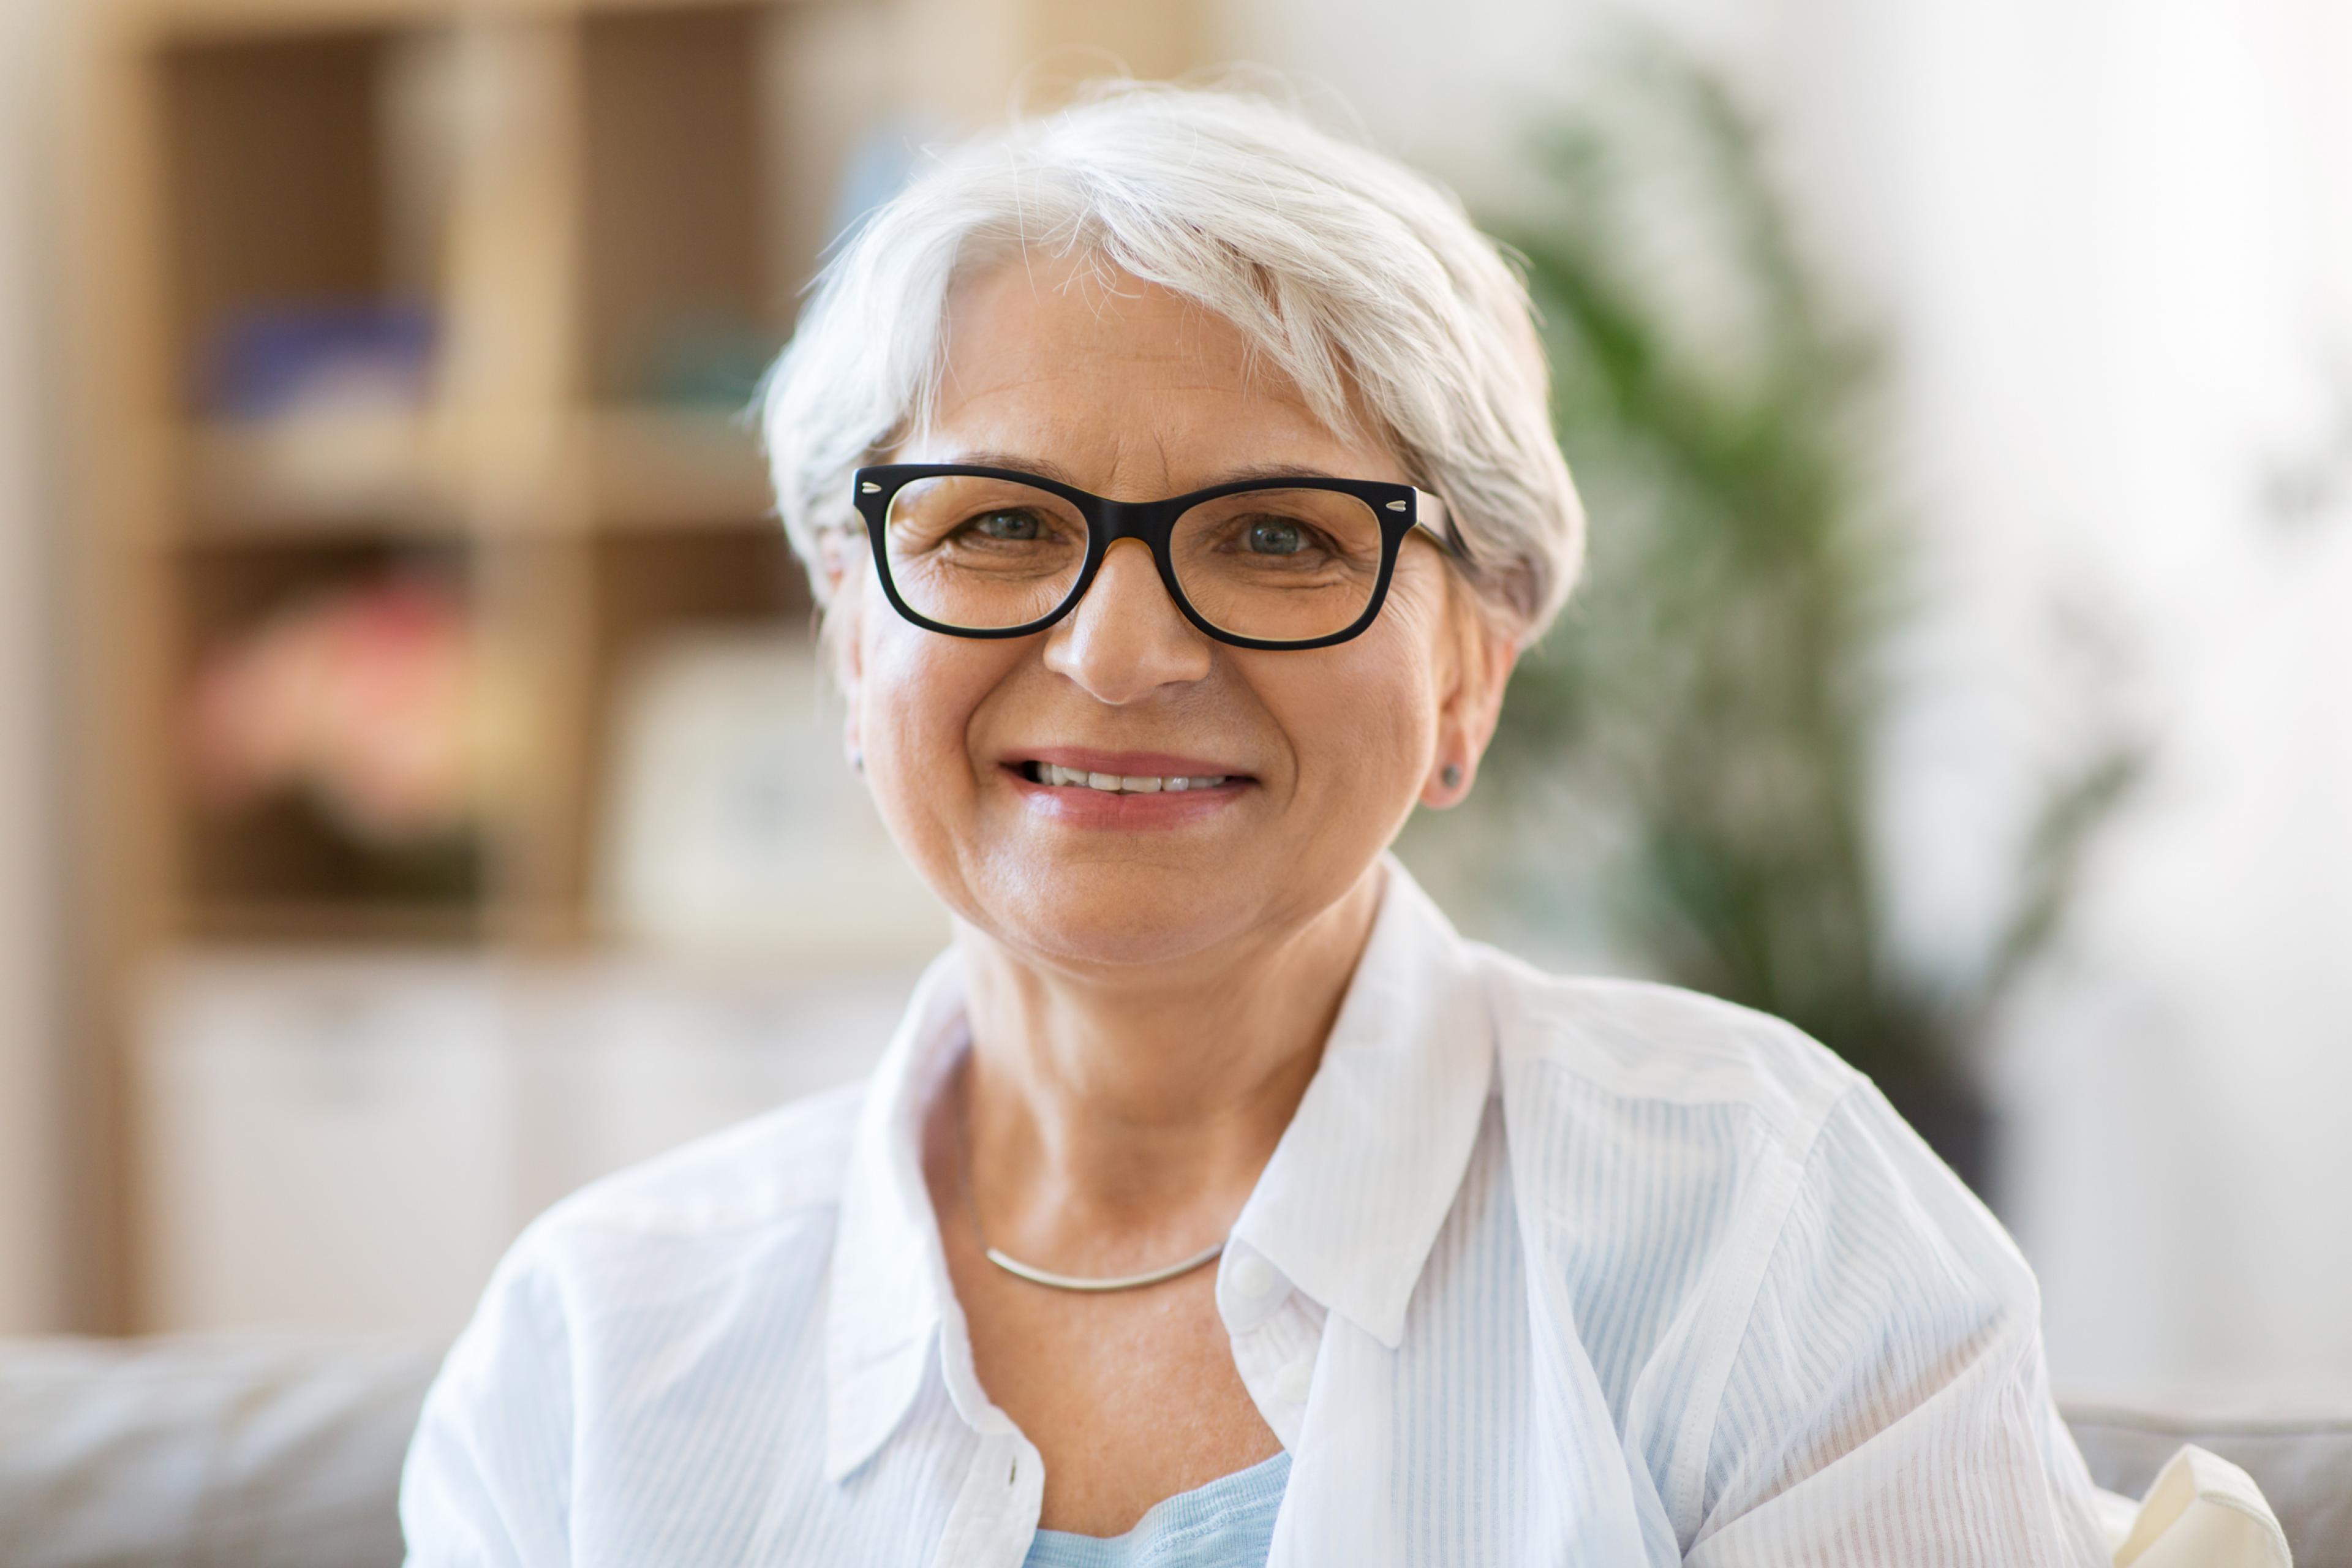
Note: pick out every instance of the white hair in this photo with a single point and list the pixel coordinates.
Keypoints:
(1362, 282)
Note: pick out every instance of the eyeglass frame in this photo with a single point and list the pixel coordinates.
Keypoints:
(1397, 507)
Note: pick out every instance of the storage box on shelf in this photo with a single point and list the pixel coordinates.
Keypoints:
(345, 1144)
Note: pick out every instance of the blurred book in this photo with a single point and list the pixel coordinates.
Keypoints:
(316, 411)
(288, 359)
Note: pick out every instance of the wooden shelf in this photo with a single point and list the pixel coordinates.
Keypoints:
(326, 474)
(196, 19)
(302, 924)
(199, 20)
(657, 468)
(574, 231)
(473, 291)
(336, 476)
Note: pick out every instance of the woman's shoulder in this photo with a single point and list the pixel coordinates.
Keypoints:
(1642, 1049)
(650, 1291)
(1747, 1214)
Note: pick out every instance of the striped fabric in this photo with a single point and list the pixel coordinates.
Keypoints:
(1543, 1271)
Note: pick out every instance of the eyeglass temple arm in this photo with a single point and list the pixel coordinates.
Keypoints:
(1429, 513)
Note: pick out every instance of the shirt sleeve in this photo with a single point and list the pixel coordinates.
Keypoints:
(487, 1479)
(1889, 1401)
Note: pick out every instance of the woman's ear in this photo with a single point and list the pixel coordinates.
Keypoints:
(1471, 703)
(838, 628)
(853, 742)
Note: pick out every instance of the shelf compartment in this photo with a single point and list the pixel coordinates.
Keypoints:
(305, 179)
(330, 777)
(679, 299)
(656, 466)
(739, 573)
(323, 473)
(652, 584)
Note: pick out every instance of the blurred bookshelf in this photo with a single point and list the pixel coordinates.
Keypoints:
(415, 339)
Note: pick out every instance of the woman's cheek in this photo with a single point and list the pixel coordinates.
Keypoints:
(919, 694)
(896, 730)
(1361, 727)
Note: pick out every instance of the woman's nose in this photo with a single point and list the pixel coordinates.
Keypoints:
(1126, 638)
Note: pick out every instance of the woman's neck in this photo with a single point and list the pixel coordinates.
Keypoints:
(1111, 1115)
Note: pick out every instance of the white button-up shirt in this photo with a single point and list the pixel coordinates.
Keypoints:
(1542, 1271)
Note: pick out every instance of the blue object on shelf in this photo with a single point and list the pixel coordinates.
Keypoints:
(279, 359)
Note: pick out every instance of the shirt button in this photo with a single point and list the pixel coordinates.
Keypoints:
(1292, 1382)
(1253, 1277)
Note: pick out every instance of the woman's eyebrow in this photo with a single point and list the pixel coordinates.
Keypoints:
(1043, 468)
(1046, 468)
(1274, 471)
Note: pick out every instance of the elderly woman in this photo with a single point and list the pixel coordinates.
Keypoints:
(1178, 482)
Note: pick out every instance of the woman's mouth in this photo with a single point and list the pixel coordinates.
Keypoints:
(1129, 791)
(1058, 777)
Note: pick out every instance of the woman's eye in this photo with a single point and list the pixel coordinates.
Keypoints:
(1272, 536)
(1007, 525)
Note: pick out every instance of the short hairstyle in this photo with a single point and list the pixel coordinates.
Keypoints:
(1360, 279)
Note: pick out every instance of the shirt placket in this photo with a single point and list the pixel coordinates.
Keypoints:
(996, 1510)
(995, 1513)
(1276, 1331)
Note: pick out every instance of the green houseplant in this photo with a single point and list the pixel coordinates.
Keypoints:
(1716, 696)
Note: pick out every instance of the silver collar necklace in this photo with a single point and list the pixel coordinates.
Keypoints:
(1046, 1276)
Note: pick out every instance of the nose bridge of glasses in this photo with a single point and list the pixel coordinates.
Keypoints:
(1139, 521)
(1130, 524)
(1125, 620)
(1139, 561)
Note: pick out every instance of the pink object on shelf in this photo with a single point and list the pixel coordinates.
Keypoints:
(370, 698)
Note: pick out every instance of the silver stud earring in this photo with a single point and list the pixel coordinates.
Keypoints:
(1450, 776)
(858, 761)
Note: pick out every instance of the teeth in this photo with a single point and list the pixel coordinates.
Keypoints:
(1118, 783)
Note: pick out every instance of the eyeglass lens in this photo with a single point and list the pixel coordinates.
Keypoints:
(1280, 565)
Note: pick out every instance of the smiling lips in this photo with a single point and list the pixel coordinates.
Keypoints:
(1126, 789)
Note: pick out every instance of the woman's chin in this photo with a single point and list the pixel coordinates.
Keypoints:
(1122, 922)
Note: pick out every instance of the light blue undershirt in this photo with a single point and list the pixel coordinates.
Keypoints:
(1229, 1523)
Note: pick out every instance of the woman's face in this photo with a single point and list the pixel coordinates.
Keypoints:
(1133, 393)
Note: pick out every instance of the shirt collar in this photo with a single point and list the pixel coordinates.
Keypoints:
(889, 1277)
(1367, 1171)
(1347, 1208)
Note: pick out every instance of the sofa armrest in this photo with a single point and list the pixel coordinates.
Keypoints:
(2302, 1462)
(263, 1454)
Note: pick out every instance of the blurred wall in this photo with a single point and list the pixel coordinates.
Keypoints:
(2114, 248)
(2125, 278)
(31, 1294)
(2112, 243)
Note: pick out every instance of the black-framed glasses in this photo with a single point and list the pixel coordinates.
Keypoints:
(1300, 563)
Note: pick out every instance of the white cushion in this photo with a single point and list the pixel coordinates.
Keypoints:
(2202, 1512)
